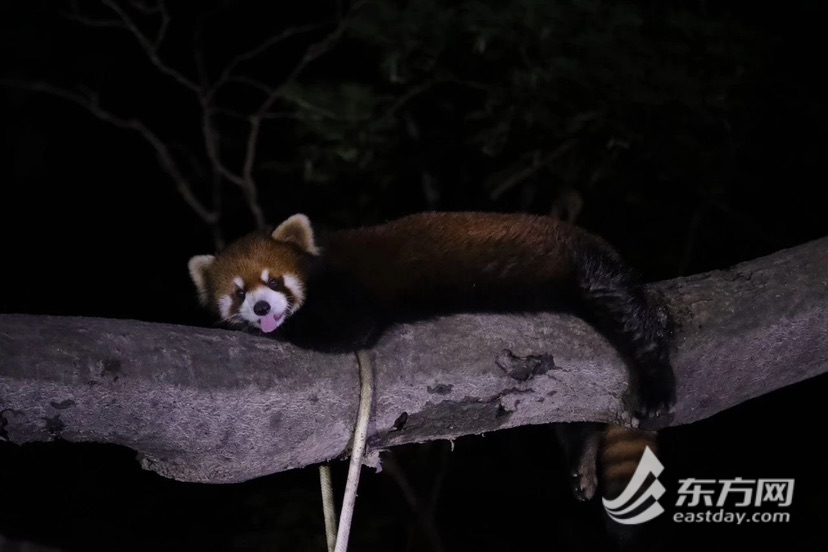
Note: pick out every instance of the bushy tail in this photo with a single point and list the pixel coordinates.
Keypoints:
(614, 295)
(619, 456)
(602, 460)
(620, 452)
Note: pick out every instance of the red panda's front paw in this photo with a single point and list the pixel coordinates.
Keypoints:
(655, 399)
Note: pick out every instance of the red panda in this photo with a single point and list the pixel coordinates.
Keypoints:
(340, 293)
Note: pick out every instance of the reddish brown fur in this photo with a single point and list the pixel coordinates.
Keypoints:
(621, 451)
(426, 258)
(473, 252)
(246, 258)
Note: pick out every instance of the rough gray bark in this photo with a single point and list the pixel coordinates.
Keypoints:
(219, 406)
(23, 546)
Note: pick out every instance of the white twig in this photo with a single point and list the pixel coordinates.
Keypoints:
(366, 393)
(328, 507)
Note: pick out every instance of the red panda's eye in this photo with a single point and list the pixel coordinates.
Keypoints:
(274, 284)
(240, 293)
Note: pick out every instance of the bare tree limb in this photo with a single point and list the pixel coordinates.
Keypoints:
(206, 92)
(207, 95)
(403, 99)
(514, 176)
(211, 144)
(245, 180)
(253, 83)
(258, 50)
(198, 48)
(220, 406)
(77, 17)
(313, 52)
(423, 511)
(162, 150)
(151, 47)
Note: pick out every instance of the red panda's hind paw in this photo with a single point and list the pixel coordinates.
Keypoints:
(584, 484)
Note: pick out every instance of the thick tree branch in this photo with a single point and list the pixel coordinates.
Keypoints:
(219, 406)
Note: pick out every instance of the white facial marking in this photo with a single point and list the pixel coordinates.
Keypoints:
(198, 267)
(239, 282)
(297, 229)
(224, 305)
(277, 301)
(295, 286)
(265, 275)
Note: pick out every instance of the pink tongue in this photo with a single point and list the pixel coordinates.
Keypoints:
(269, 323)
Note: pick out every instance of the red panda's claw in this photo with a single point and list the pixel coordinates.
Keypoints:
(584, 485)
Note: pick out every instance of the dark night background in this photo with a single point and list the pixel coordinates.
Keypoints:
(691, 134)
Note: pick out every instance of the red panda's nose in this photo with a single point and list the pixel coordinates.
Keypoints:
(261, 308)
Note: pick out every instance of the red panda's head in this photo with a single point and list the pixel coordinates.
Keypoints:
(258, 280)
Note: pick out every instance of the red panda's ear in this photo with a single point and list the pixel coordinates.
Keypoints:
(297, 230)
(199, 265)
